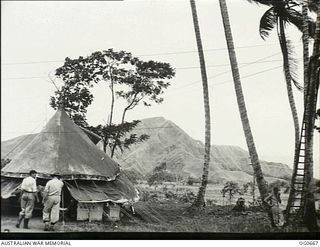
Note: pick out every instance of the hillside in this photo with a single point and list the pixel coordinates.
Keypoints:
(183, 155)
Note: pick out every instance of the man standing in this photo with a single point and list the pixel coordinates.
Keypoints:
(51, 202)
(28, 197)
(274, 202)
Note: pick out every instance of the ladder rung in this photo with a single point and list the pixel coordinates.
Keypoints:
(295, 206)
(299, 183)
(301, 175)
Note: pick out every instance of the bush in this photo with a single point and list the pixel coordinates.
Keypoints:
(160, 176)
(230, 189)
(170, 195)
(189, 196)
(210, 202)
(192, 180)
(146, 196)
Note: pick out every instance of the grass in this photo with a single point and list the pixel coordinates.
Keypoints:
(172, 216)
(161, 214)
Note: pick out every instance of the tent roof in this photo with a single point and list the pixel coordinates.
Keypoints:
(62, 147)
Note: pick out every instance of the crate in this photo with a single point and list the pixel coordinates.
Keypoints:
(112, 212)
(90, 211)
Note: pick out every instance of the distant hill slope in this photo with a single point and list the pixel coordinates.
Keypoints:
(183, 155)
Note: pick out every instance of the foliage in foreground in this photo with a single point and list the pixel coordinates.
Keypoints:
(158, 216)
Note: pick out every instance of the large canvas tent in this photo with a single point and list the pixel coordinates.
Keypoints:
(62, 147)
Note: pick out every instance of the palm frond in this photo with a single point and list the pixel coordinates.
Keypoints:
(267, 22)
(263, 2)
(296, 18)
(293, 65)
(313, 5)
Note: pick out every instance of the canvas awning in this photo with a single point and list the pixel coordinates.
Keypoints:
(119, 191)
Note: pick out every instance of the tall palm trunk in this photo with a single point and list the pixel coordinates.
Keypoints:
(305, 43)
(286, 68)
(199, 202)
(262, 185)
(310, 112)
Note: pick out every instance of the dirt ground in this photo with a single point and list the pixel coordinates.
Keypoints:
(160, 216)
(36, 225)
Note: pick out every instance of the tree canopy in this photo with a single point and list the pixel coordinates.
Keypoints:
(130, 80)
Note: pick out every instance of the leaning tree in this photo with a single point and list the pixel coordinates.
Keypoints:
(200, 202)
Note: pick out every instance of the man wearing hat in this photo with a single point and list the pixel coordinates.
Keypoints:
(28, 197)
(51, 202)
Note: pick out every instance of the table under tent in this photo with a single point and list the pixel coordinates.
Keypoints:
(94, 184)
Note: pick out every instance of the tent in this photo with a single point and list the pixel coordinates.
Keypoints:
(89, 174)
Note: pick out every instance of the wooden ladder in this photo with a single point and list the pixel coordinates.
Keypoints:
(296, 202)
(297, 198)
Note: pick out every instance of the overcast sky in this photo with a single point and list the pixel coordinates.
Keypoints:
(37, 36)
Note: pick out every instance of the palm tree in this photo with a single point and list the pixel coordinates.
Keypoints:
(262, 185)
(305, 42)
(199, 202)
(310, 113)
(281, 13)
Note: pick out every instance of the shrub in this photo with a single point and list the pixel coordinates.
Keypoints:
(170, 195)
(160, 176)
(188, 196)
(231, 188)
(192, 180)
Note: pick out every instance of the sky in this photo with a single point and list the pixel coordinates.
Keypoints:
(36, 36)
